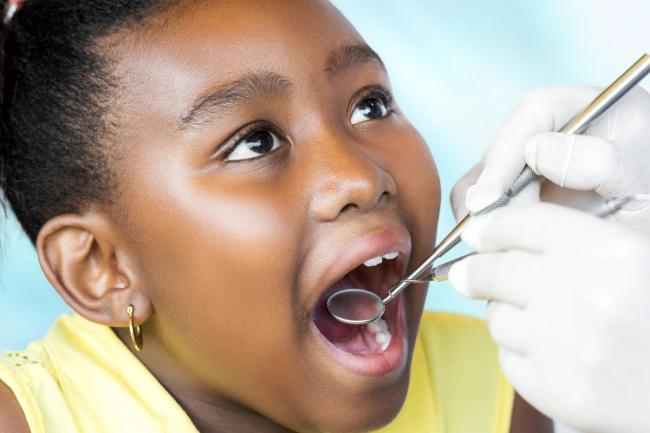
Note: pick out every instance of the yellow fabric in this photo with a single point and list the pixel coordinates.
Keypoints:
(81, 378)
(456, 384)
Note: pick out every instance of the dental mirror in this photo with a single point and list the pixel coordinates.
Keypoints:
(360, 307)
(355, 306)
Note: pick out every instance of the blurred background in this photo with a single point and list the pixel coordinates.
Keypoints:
(458, 68)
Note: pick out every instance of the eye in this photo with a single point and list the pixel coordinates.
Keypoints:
(254, 145)
(368, 109)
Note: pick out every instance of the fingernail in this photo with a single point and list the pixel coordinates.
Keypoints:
(481, 196)
(531, 152)
(473, 232)
(458, 278)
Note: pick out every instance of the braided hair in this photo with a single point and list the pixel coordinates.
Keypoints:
(57, 89)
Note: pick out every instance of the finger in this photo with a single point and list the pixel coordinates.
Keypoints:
(535, 227)
(546, 109)
(496, 276)
(635, 215)
(508, 326)
(459, 190)
(584, 163)
(517, 369)
(626, 121)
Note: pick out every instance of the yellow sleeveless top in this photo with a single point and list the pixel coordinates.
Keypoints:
(81, 378)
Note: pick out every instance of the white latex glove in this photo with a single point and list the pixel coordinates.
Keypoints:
(612, 158)
(569, 304)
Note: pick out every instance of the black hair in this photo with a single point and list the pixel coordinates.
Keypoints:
(57, 89)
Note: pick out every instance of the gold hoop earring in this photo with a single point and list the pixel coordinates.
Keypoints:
(134, 330)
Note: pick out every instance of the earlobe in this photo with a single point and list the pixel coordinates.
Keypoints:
(78, 256)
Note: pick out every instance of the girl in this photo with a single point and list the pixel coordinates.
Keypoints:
(197, 177)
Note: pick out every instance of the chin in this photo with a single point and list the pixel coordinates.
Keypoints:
(365, 411)
(383, 411)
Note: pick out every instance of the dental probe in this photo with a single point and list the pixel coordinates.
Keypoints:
(608, 207)
(341, 304)
(440, 273)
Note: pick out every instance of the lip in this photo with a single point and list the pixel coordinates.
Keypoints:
(354, 253)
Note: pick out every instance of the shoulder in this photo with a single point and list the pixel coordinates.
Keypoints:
(22, 376)
(12, 418)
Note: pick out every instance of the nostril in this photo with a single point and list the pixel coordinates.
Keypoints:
(351, 206)
(362, 192)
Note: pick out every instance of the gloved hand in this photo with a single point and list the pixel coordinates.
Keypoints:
(611, 158)
(569, 303)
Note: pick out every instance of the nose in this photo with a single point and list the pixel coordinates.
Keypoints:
(347, 179)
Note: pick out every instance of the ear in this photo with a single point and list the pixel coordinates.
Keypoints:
(82, 260)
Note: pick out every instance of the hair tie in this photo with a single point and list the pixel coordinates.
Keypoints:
(11, 7)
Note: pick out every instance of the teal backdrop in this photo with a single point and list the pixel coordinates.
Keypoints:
(458, 68)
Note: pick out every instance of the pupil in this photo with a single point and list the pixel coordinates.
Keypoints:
(261, 142)
(371, 108)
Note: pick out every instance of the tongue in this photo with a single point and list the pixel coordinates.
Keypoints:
(368, 339)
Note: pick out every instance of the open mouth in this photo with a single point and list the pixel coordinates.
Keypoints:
(377, 275)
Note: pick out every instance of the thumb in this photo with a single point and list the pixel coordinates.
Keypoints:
(459, 190)
(580, 162)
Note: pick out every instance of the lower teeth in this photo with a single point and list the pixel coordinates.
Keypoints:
(383, 336)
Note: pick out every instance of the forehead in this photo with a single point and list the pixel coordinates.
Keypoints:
(214, 41)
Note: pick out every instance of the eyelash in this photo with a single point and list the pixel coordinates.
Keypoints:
(246, 131)
(373, 91)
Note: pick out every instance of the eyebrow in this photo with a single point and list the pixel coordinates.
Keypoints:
(349, 56)
(234, 94)
(266, 84)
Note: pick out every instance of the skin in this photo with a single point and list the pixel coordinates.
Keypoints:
(11, 415)
(221, 259)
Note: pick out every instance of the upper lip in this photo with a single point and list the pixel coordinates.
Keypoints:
(371, 244)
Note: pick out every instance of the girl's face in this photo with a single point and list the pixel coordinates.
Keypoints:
(262, 162)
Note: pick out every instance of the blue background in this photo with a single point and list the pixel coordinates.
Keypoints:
(458, 67)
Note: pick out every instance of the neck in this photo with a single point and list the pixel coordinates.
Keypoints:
(209, 412)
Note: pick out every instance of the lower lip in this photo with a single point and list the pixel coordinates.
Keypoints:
(392, 360)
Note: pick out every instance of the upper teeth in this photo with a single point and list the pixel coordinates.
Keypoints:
(377, 260)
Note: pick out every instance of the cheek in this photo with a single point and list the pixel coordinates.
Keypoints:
(221, 257)
(410, 162)
(421, 185)
(418, 184)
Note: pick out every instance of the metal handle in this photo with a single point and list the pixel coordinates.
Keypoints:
(613, 205)
(441, 273)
